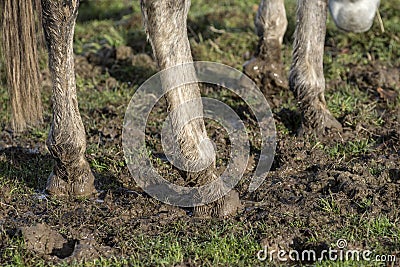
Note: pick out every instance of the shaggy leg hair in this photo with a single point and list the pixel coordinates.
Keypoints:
(165, 23)
(306, 77)
(266, 68)
(66, 142)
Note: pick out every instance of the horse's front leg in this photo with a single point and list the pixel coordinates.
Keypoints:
(165, 22)
(266, 68)
(306, 78)
(66, 142)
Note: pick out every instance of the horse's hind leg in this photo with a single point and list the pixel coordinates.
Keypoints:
(266, 68)
(66, 142)
(166, 28)
(306, 75)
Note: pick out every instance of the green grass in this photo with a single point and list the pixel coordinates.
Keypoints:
(329, 205)
(229, 243)
(349, 149)
(223, 244)
(102, 10)
(91, 35)
(222, 248)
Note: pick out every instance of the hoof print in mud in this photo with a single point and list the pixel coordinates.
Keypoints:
(43, 240)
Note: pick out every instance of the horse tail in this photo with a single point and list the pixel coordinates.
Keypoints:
(20, 27)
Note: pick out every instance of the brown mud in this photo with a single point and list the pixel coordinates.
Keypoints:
(288, 204)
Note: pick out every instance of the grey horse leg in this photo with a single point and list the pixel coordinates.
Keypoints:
(266, 68)
(165, 22)
(66, 142)
(306, 78)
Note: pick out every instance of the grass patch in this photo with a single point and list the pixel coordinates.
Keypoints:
(349, 149)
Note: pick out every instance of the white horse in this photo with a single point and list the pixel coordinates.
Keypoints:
(165, 22)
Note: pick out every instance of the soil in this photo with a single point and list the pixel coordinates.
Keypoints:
(302, 174)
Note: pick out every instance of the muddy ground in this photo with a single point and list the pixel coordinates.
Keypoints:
(319, 190)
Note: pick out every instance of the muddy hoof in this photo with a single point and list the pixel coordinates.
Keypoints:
(267, 75)
(79, 184)
(228, 205)
(321, 124)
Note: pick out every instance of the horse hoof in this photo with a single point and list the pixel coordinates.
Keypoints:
(321, 124)
(76, 184)
(226, 206)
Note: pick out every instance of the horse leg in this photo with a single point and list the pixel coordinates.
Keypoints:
(66, 142)
(266, 68)
(165, 23)
(306, 78)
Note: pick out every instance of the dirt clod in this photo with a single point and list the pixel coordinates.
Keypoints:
(40, 238)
